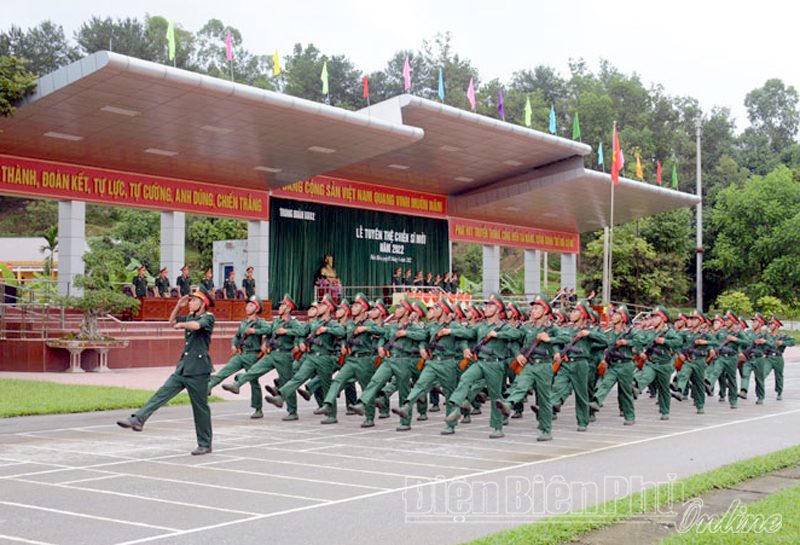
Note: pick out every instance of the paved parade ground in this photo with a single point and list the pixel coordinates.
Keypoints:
(70, 479)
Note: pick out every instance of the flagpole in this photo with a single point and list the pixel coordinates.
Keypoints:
(231, 63)
(606, 291)
(611, 229)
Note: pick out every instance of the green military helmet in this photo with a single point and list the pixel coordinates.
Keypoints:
(662, 312)
(381, 306)
(584, 308)
(730, 315)
(446, 305)
(758, 316)
(407, 304)
(345, 304)
(287, 300)
(595, 316)
(495, 299)
(328, 301)
(362, 299)
(255, 299)
(626, 315)
(419, 307)
(544, 303)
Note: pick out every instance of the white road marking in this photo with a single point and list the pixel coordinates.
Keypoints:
(84, 515)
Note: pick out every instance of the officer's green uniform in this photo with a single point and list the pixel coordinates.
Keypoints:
(359, 364)
(192, 373)
(400, 363)
(320, 358)
(756, 362)
(162, 286)
(208, 284)
(490, 366)
(572, 374)
(658, 368)
(248, 347)
(184, 284)
(279, 356)
(441, 367)
(140, 286)
(620, 370)
(776, 362)
(230, 288)
(693, 370)
(537, 373)
(249, 287)
(724, 366)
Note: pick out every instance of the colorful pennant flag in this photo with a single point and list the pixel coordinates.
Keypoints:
(576, 128)
(441, 86)
(407, 74)
(658, 172)
(600, 154)
(639, 172)
(276, 64)
(471, 94)
(616, 158)
(228, 47)
(500, 103)
(528, 112)
(324, 78)
(552, 120)
(674, 176)
(366, 87)
(171, 40)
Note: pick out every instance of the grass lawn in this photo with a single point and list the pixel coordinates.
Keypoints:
(785, 504)
(570, 526)
(26, 397)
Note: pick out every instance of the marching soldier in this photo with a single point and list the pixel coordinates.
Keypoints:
(697, 348)
(192, 372)
(657, 363)
(491, 355)
(139, 283)
(249, 284)
(230, 285)
(279, 340)
(725, 364)
(183, 282)
(245, 349)
(162, 284)
(775, 356)
(753, 358)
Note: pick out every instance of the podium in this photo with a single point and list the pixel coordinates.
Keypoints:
(158, 309)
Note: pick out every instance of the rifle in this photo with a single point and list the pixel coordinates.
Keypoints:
(311, 339)
(753, 349)
(243, 343)
(479, 348)
(529, 350)
(351, 342)
(387, 347)
(431, 345)
(272, 339)
(687, 353)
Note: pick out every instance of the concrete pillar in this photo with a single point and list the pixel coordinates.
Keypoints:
(533, 273)
(173, 244)
(258, 255)
(71, 245)
(569, 271)
(491, 270)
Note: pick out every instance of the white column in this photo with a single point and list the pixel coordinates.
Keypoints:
(173, 244)
(569, 271)
(491, 270)
(71, 245)
(544, 275)
(533, 273)
(258, 255)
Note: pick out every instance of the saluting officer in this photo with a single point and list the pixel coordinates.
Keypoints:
(162, 283)
(192, 372)
(183, 282)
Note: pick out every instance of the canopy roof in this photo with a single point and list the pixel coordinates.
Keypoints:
(112, 111)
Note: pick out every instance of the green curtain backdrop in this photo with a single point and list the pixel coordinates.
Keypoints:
(366, 246)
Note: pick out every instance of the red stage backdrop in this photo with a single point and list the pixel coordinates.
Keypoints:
(484, 232)
(35, 178)
(326, 190)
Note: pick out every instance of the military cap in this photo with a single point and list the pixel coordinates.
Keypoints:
(544, 303)
(203, 294)
(361, 298)
(760, 318)
(345, 304)
(287, 300)
(776, 321)
(185, 268)
(257, 300)
(163, 270)
(623, 309)
(142, 268)
(661, 311)
(446, 305)
(328, 301)
(419, 307)
(495, 299)
(406, 303)
(584, 308)
(380, 306)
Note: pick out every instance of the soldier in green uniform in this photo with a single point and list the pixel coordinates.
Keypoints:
(320, 353)
(724, 366)
(752, 356)
(183, 282)
(442, 351)
(139, 283)
(399, 356)
(245, 349)
(491, 353)
(208, 281)
(657, 366)
(279, 340)
(230, 285)
(697, 348)
(192, 372)
(162, 283)
(775, 355)
(618, 360)
(358, 356)
(535, 365)
(573, 364)
(249, 283)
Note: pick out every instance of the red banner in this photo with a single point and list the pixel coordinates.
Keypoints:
(483, 232)
(326, 190)
(35, 178)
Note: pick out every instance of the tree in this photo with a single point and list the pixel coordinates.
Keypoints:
(16, 82)
(99, 298)
(126, 36)
(303, 78)
(202, 231)
(51, 238)
(772, 110)
(45, 47)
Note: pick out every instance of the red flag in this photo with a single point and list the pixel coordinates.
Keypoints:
(658, 172)
(366, 88)
(616, 160)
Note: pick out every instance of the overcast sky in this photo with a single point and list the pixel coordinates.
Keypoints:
(716, 52)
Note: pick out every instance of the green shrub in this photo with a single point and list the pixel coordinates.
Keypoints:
(770, 306)
(736, 301)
